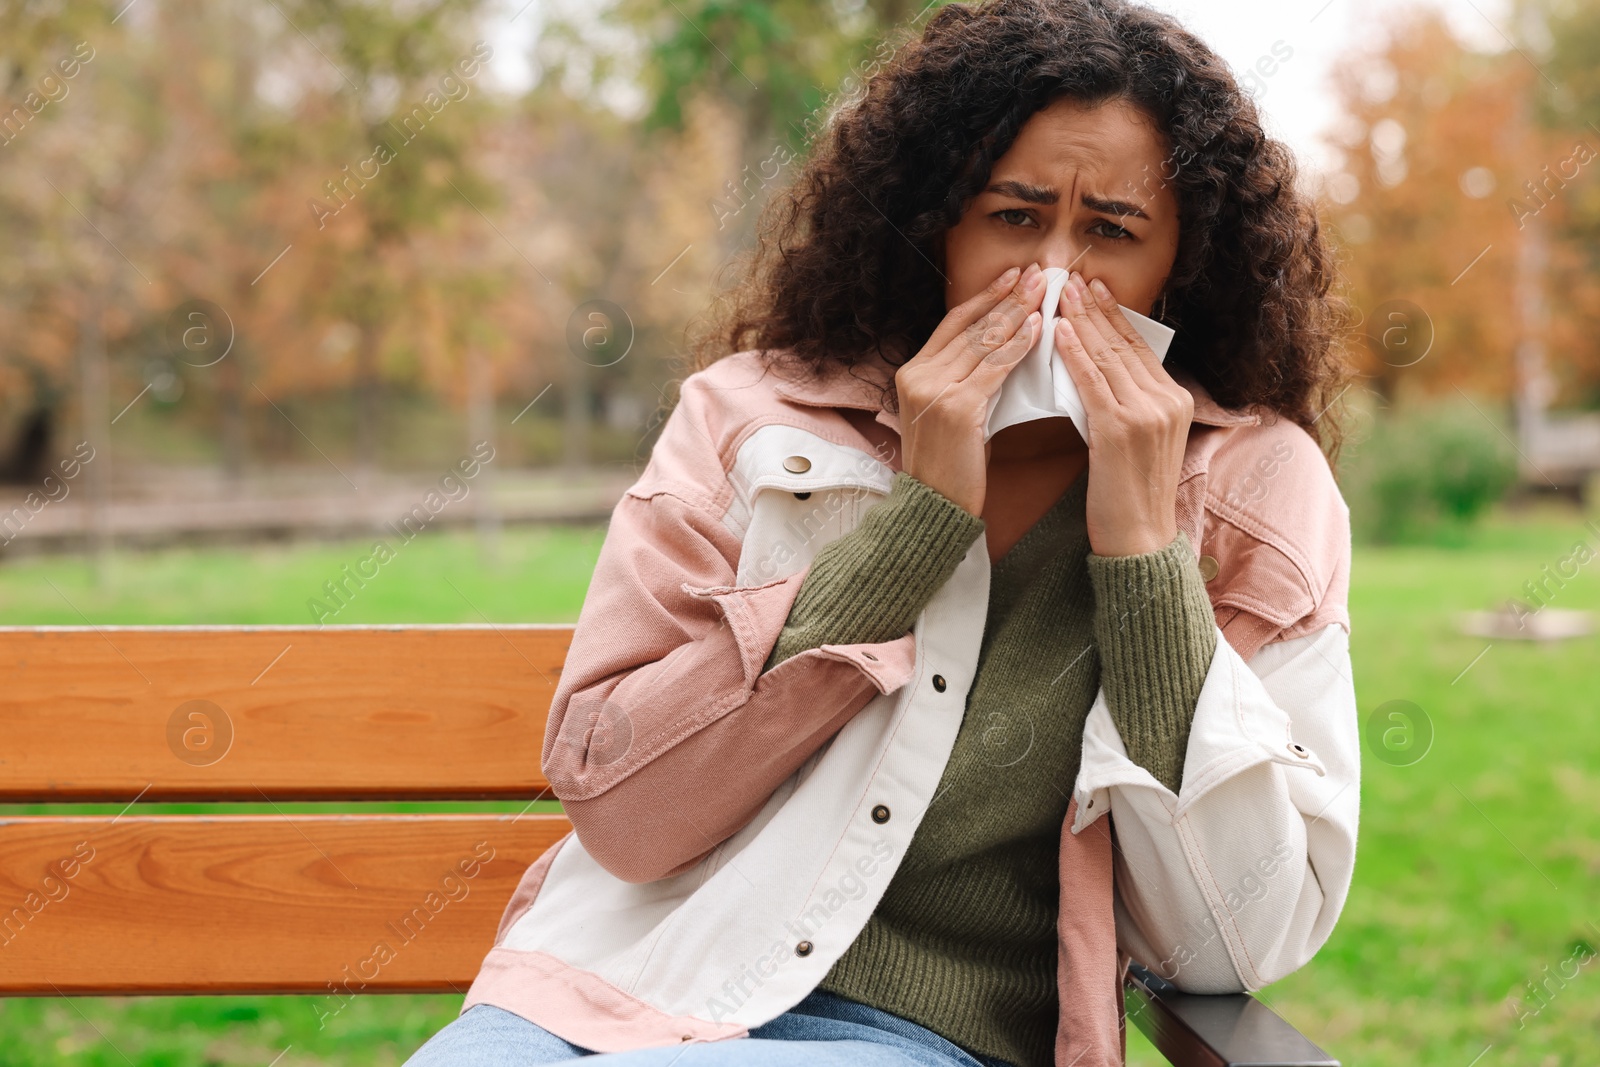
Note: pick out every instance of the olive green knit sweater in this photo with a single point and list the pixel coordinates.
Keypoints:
(964, 940)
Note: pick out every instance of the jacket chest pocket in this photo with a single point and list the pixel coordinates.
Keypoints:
(798, 493)
(787, 529)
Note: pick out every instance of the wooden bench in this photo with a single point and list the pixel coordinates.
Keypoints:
(299, 903)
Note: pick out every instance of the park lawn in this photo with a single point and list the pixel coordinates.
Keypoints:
(1478, 869)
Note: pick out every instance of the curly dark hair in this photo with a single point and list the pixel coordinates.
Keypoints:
(848, 259)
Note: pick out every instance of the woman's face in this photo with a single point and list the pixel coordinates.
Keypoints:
(1079, 189)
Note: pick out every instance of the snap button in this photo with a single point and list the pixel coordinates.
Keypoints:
(1299, 750)
(803, 949)
(880, 814)
(797, 464)
(1208, 567)
(869, 655)
(802, 496)
(938, 682)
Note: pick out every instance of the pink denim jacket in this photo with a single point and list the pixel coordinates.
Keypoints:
(734, 828)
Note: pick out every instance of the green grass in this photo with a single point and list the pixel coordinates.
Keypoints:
(541, 576)
(1479, 866)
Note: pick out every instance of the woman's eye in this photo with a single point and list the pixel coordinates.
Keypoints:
(1120, 235)
(1012, 211)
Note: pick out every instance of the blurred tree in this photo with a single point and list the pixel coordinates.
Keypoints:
(235, 151)
(1437, 159)
(776, 64)
(733, 91)
(84, 139)
(363, 212)
(395, 152)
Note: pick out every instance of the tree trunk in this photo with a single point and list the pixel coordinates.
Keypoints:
(95, 423)
(230, 409)
(368, 400)
(578, 400)
(480, 428)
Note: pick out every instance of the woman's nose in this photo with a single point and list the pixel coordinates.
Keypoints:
(1062, 253)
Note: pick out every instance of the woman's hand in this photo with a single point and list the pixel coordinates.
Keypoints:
(1138, 423)
(945, 388)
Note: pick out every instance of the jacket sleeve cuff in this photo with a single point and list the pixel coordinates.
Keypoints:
(1157, 635)
(1271, 797)
(870, 585)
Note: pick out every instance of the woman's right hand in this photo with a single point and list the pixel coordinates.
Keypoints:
(945, 388)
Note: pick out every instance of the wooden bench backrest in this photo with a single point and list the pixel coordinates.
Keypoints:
(281, 902)
(329, 904)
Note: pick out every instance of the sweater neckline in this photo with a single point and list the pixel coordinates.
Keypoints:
(1069, 503)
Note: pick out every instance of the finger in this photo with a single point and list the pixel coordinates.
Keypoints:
(961, 318)
(990, 373)
(1126, 350)
(1111, 311)
(1145, 366)
(1092, 387)
(1101, 349)
(1086, 373)
(999, 328)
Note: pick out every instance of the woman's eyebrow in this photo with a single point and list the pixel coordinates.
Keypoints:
(1032, 194)
(1113, 207)
(1044, 194)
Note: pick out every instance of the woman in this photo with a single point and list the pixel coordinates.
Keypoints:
(857, 695)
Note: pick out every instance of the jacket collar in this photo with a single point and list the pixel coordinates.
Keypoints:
(861, 385)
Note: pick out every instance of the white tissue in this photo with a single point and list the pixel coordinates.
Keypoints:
(1040, 386)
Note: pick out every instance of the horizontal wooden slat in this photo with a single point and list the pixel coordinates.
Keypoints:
(331, 713)
(257, 904)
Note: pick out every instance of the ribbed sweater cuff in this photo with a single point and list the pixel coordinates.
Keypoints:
(1156, 634)
(870, 585)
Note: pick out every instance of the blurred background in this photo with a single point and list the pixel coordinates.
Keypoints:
(274, 274)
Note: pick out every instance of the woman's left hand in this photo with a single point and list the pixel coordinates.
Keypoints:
(1138, 423)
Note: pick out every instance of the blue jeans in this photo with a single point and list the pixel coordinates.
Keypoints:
(834, 1029)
